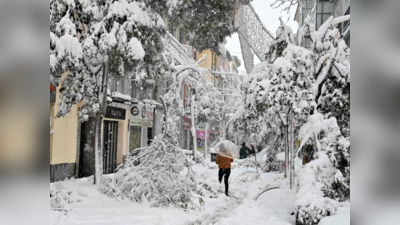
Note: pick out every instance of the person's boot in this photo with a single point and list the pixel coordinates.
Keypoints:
(226, 193)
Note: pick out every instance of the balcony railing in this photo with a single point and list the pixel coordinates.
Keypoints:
(346, 24)
(181, 53)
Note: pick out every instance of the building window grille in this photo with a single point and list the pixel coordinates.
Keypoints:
(324, 11)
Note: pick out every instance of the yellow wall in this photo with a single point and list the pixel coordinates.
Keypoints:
(208, 62)
(63, 141)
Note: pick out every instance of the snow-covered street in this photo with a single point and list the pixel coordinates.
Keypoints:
(151, 108)
(273, 207)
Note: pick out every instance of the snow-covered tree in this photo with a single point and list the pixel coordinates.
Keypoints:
(293, 86)
(321, 182)
(206, 23)
(158, 173)
(207, 104)
(93, 40)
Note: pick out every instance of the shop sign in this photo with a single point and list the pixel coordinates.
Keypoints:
(144, 112)
(115, 113)
(136, 122)
(186, 123)
(135, 110)
(150, 113)
(147, 123)
(141, 123)
(201, 131)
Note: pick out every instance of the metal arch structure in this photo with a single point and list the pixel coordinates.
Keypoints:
(253, 35)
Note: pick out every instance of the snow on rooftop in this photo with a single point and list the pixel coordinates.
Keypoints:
(121, 96)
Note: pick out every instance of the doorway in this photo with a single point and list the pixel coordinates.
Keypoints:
(135, 141)
(110, 146)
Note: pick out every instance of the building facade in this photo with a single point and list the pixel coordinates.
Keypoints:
(133, 118)
(320, 11)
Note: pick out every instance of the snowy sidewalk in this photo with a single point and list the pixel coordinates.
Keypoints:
(273, 207)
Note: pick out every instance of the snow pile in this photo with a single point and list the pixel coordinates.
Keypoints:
(121, 96)
(341, 217)
(281, 156)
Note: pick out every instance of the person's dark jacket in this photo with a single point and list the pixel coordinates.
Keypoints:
(251, 151)
(243, 152)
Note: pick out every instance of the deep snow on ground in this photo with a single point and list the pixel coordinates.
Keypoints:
(342, 216)
(272, 208)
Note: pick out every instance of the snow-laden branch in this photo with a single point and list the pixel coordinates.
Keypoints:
(279, 3)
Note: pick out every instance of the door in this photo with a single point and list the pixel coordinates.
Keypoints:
(81, 150)
(87, 142)
(149, 136)
(110, 146)
(135, 139)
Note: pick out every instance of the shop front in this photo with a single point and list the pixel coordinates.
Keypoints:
(114, 140)
(141, 126)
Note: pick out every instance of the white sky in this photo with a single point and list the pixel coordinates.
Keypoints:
(270, 17)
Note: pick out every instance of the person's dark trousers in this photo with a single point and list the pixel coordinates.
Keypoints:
(225, 172)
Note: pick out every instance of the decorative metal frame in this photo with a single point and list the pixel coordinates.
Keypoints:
(253, 35)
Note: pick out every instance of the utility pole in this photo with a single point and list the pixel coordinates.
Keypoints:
(193, 129)
(205, 140)
(291, 147)
(286, 150)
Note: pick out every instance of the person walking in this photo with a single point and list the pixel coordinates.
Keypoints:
(252, 150)
(243, 151)
(224, 165)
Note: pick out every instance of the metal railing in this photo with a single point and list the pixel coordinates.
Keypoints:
(181, 54)
(346, 24)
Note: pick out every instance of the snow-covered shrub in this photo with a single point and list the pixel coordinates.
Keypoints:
(321, 182)
(271, 164)
(311, 202)
(160, 176)
(57, 201)
(61, 197)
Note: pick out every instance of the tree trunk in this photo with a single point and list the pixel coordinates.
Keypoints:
(98, 153)
(293, 155)
(291, 151)
(286, 151)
